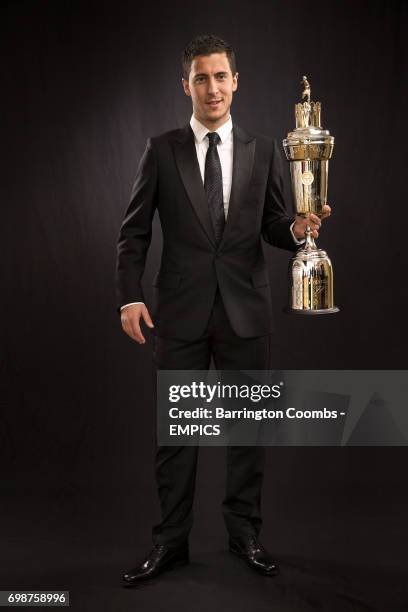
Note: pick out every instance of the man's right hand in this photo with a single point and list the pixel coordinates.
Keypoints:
(130, 319)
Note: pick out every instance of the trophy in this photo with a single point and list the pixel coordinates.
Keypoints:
(308, 149)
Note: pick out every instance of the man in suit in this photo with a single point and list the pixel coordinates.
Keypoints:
(218, 191)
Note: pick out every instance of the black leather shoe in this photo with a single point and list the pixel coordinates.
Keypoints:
(248, 548)
(160, 559)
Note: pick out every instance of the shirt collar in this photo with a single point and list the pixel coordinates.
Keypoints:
(200, 131)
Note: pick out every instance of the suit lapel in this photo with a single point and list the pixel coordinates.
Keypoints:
(187, 163)
(242, 164)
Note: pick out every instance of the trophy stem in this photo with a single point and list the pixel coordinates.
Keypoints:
(310, 244)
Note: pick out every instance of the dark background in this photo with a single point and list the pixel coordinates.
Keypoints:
(83, 85)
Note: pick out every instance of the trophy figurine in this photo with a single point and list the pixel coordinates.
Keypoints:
(308, 149)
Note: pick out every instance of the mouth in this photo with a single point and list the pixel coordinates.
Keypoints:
(214, 103)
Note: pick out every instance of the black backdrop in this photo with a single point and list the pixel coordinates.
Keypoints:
(83, 85)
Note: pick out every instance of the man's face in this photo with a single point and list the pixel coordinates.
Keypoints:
(210, 85)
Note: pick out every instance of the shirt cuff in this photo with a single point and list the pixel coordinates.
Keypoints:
(296, 241)
(130, 304)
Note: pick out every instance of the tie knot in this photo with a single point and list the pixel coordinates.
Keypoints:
(213, 138)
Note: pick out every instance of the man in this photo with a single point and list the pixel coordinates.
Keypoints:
(218, 191)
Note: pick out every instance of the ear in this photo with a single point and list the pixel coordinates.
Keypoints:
(235, 81)
(186, 87)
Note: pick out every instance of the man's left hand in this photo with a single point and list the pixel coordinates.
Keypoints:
(312, 220)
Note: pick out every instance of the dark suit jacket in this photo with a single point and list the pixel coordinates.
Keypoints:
(169, 180)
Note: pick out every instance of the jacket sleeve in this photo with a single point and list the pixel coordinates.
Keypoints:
(136, 231)
(275, 221)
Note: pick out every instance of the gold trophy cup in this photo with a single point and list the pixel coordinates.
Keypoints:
(308, 149)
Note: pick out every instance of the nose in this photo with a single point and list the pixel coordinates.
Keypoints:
(212, 86)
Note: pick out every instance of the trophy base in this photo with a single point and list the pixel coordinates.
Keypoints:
(299, 311)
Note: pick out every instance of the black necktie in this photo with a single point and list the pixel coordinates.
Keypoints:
(213, 186)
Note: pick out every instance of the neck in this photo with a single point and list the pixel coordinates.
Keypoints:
(213, 125)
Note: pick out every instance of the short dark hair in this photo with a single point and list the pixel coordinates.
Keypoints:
(205, 45)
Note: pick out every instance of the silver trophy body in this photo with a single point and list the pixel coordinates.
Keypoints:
(308, 149)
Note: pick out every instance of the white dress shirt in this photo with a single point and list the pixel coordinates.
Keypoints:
(225, 153)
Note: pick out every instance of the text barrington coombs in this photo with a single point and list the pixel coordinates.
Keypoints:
(257, 415)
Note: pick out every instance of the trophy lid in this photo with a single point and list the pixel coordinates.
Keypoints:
(308, 120)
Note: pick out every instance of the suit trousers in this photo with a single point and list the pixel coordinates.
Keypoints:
(176, 466)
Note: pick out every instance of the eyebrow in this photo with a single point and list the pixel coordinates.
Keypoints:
(201, 74)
